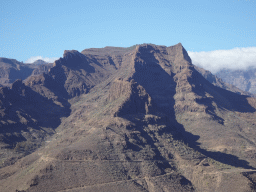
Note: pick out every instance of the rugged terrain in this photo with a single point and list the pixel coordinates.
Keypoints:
(224, 84)
(11, 70)
(243, 79)
(127, 119)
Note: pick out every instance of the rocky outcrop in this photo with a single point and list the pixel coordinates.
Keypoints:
(43, 68)
(72, 75)
(134, 98)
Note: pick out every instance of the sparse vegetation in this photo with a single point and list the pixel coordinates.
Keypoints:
(26, 147)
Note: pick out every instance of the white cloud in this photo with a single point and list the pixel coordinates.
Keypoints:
(237, 58)
(46, 59)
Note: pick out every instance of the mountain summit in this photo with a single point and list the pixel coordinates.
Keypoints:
(128, 119)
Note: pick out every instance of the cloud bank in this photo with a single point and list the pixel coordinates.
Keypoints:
(214, 61)
(46, 59)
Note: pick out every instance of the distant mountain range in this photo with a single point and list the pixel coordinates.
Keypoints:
(219, 82)
(243, 79)
(39, 62)
(11, 70)
(142, 118)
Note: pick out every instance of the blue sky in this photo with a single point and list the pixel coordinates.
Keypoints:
(47, 28)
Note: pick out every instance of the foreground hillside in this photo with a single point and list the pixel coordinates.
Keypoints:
(128, 119)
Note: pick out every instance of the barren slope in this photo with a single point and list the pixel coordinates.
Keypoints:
(142, 119)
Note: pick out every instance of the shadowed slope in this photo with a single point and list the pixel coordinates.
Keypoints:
(213, 79)
(12, 70)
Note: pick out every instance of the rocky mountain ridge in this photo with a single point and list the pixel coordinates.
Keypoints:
(12, 70)
(135, 119)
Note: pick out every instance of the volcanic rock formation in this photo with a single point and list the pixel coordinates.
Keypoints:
(130, 119)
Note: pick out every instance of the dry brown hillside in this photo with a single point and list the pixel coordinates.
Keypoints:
(128, 119)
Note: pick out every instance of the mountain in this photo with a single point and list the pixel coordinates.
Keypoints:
(39, 62)
(27, 118)
(217, 81)
(12, 70)
(243, 79)
(129, 119)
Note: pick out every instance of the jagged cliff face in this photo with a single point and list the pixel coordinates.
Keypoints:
(72, 75)
(139, 119)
